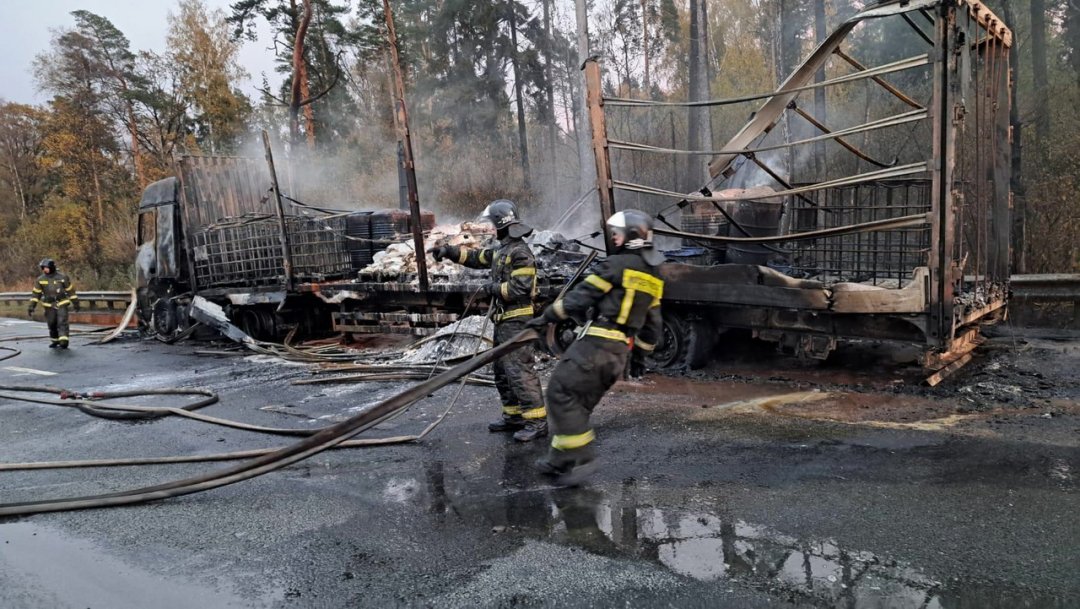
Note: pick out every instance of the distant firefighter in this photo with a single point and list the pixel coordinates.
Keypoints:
(53, 290)
(513, 286)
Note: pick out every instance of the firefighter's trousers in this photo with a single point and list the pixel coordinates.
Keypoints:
(57, 318)
(515, 377)
(584, 374)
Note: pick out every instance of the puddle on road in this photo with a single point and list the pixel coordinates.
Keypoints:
(623, 523)
(59, 571)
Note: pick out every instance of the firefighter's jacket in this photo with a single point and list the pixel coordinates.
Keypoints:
(513, 274)
(53, 290)
(623, 295)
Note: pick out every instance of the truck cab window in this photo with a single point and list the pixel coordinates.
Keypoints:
(147, 227)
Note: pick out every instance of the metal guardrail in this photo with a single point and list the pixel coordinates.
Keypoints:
(1046, 288)
(111, 299)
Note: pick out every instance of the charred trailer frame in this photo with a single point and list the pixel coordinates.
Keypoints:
(876, 244)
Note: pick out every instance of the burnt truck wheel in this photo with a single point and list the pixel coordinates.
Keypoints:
(686, 342)
(165, 318)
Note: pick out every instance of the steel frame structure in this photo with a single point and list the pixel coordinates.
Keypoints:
(960, 177)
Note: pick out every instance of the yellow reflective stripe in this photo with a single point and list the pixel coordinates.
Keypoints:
(608, 334)
(560, 442)
(655, 303)
(63, 302)
(483, 257)
(627, 305)
(46, 305)
(34, 300)
(599, 282)
(38, 291)
(45, 282)
(73, 296)
(63, 338)
(534, 413)
(560, 309)
(504, 290)
(520, 312)
(643, 282)
(523, 271)
(512, 410)
(463, 255)
(644, 346)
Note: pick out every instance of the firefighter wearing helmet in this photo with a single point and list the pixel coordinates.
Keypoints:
(623, 296)
(513, 288)
(54, 292)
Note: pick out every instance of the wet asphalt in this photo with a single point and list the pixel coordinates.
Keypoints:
(703, 500)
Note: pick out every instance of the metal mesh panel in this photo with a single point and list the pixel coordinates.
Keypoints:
(884, 258)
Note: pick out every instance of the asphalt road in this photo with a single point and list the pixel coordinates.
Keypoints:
(818, 487)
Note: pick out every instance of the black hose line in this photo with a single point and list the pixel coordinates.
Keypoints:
(323, 440)
(14, 353)
(88, 403)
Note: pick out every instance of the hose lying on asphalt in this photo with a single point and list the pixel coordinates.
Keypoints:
(323, 440)
(13, 352)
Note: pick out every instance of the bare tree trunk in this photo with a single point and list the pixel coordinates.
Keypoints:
(523, 139)
(699, 132)
(309, 111)
(298, 73)
(645, 45)
(549, 90)
(583, 128)
(1039, 75)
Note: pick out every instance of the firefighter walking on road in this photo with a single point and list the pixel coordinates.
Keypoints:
(53, 290)
(513, 287)
(623, 296)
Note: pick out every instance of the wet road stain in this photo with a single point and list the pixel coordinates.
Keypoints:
(706, 547)
(73, 573)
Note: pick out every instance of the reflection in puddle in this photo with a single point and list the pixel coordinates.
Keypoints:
(623, 522)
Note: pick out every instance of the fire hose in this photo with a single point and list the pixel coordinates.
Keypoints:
(324, 439)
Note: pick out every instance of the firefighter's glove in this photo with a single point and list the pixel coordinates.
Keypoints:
(30, 312)
(492, 289)
(438, 253)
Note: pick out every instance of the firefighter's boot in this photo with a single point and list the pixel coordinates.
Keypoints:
(508, 423)
(568, 467)
(63, 343)
(54, 344)
(533, 429)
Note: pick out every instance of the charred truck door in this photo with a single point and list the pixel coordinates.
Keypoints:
(158, 272)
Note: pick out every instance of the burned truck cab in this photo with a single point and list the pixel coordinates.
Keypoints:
(158, 262)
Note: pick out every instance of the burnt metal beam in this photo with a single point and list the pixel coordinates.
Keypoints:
(839, 140)
(855, 63)
(279, 211)
(408, 161)
(594, 96)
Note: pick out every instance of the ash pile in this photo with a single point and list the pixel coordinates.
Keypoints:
(456, 342)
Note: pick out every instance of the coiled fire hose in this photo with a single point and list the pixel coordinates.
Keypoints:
(324, 439)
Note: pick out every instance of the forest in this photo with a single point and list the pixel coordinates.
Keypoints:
(493, 90)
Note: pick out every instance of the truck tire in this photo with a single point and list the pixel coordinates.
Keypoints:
(686, 343)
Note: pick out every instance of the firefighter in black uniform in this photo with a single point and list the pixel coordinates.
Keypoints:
(513, 286)
(54, 291)
(623, 296)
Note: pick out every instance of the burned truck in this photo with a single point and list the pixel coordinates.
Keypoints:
(839, 213)
(217, 229)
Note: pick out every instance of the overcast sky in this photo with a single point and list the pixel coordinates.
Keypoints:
(25, 31)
